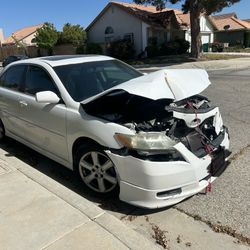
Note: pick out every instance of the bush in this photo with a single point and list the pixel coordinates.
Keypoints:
(153, 51)
(217, 47)
(184, 46)
(122, 49)
(93, 48)
(177, 47)
(170, 48)
(247, 39)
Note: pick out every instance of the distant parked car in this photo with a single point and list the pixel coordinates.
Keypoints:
(13, 58)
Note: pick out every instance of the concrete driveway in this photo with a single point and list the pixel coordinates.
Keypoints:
(226, 209)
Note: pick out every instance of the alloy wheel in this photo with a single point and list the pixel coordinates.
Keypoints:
(98, 172)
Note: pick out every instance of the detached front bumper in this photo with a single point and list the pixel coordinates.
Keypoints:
(152, 184)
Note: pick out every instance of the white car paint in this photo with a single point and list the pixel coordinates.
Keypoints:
(53, 129)
(172, 84)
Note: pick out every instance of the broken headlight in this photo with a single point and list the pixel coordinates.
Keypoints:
(145, 141)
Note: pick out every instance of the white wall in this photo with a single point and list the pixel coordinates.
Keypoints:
(121, 22)
(207, 35)
(145, 28)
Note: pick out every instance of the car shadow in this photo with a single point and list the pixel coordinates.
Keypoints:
(68, 179)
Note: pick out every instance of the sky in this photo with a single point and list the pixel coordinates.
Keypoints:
(17, 14)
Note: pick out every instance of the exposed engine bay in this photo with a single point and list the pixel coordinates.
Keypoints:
(192, 121)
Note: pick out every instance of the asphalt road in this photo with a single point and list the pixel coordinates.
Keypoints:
(229, 202)
(228, 205)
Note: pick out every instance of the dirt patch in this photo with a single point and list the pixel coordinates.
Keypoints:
(241, 152)
(160, 237)
(128, 217)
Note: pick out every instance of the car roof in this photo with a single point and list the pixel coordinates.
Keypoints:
(66, 59)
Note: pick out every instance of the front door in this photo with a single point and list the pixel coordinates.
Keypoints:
(44, 124)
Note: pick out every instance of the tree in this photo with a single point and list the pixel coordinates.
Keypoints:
(46, 37)
(73, 34)
(195, 8)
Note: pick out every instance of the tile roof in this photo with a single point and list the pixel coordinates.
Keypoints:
(22, 33)
(184, 19)
(147, 8)
(228, 22)
(225, 16)
(151, 15)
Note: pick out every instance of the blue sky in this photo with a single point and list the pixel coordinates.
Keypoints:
(16, 14)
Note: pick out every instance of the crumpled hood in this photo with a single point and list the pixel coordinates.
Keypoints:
(174, 84)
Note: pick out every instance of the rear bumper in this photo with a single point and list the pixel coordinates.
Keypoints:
(158, 184)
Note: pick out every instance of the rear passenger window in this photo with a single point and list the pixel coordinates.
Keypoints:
(38, 80)
(13, 77)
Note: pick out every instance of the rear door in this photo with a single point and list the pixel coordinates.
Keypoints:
(10, 87)
(44, 124)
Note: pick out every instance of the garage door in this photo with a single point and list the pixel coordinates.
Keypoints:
(205, 38)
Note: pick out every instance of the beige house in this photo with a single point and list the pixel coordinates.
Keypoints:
(137, 23)
(228, 28)
(140, 23)
(1, 37)
(24, 36)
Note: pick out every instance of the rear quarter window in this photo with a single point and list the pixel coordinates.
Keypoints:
(13, 77)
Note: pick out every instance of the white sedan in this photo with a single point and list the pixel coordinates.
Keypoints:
(151, 138)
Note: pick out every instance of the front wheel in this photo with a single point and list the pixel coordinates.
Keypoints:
(96, 170)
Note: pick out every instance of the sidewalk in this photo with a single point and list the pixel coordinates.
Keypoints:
(37, 212)
(230, 64)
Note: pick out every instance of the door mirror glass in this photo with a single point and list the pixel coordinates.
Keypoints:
(47, 97)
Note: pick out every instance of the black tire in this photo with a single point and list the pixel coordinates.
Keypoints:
(2, 131)
(96, 170)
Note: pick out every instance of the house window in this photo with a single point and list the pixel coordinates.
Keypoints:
(109, 30)
(129, 37)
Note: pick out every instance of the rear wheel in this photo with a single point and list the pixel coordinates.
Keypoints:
(96, 170)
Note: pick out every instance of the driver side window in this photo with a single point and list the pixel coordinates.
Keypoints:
(37, 79)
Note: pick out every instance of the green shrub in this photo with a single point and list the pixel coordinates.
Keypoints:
(217, 47)
(176, 47)
(122, 49)
(184, 46)
(153, 50)
(247, 39)
(170, 48)
(93, 48)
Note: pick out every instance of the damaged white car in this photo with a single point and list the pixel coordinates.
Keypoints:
(152, 138)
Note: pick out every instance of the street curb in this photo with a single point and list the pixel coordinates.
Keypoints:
(129, 237)
(212, 65)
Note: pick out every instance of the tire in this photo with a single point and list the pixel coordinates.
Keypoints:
(96, 170)
(2, 131)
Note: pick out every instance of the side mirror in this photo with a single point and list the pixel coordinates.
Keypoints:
(47, 97)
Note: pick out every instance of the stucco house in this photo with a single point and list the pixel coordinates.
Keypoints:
(139, 23)
(228, 28)
(24, 36)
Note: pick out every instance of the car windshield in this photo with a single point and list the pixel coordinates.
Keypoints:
(88, 79)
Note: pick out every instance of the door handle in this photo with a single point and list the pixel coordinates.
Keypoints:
(23, 103)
